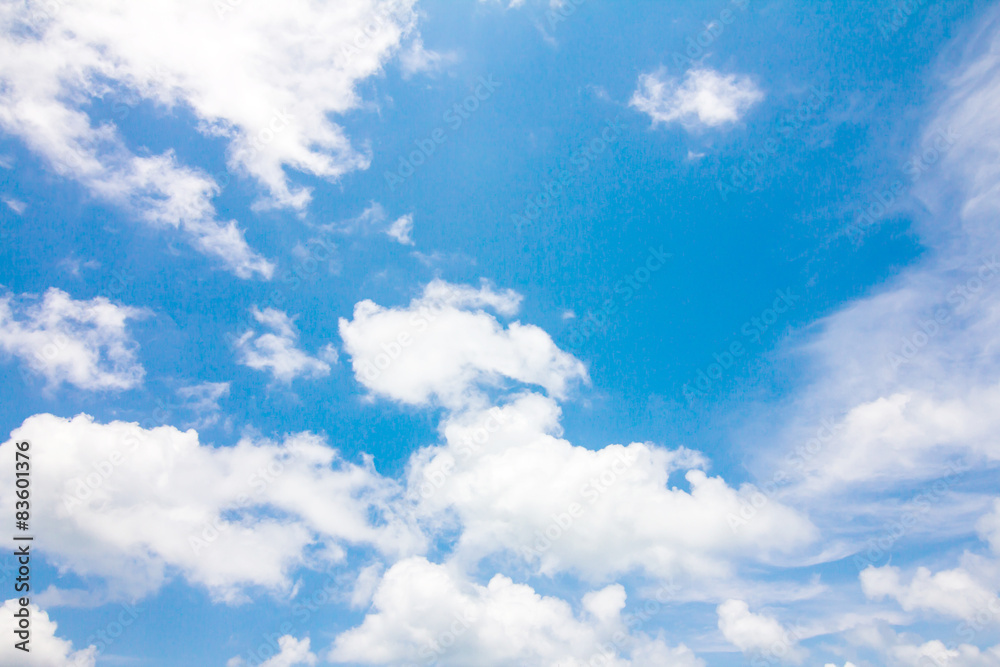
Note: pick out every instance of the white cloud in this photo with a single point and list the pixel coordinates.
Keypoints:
(757, 634)
(415, 59)
(277, 353)
(294, 652)
(935, 652)
(428, 611)
(909, 650)
(375, 219)
(135, 506)
(15, 205)
(705, 97)
(910, 370)
(513, 484)
(401, 229)
(203, 400)
(437, 349)
(83, 343)
(264, 77)
(954, 592)
(47, 650)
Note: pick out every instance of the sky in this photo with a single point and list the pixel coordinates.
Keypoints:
(473, 333)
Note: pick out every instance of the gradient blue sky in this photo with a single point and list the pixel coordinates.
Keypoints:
(748, 161)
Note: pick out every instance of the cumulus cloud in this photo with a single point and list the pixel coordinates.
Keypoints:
(83, 343)
(136, 506)
(294, 652)
(514, 485)
(757, 634)
(437, 348)
(704, 97)
(47, 649)
(265, 78)
(429, 611)
(276, 352)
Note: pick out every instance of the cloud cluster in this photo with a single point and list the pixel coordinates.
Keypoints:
(757, 634)
(514, 485)
(266, 78)
(704, 97)
(427, 611)
(276, 352)
(293, 653)
(436, 349)
(136, 506)
(83, 343)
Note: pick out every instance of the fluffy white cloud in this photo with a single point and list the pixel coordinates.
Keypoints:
(437, 349)
(47, 650)
(294, 652)
(428, 611)
(264, 77)
(757, 634)
(705, 97)
(513, 484)
(401, 229)
(83, 343)
(135, 506)
(277, 353)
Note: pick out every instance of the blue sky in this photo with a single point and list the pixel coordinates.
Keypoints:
(318, 318)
